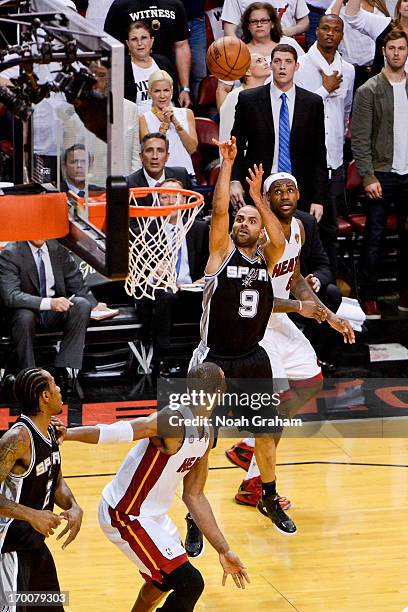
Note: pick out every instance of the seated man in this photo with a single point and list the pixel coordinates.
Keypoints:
(42, 289)
(154, 155)
(191, 261)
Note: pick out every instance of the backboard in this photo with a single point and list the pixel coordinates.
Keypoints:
(55, 150)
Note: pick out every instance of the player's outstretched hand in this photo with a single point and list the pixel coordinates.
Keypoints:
(60, 429)
(343, 327)
(228, 149)
(311, 310)
(255, 182)
(232, 564)
(74, 521)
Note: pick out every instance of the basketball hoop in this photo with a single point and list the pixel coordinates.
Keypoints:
(156, 237)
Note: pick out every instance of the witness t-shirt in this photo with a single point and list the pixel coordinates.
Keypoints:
(167, 19)
(141, 76)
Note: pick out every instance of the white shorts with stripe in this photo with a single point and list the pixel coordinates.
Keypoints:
(291, 354)
(153, 544)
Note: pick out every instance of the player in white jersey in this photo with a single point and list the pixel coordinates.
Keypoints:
(134, 505)
(296, 371)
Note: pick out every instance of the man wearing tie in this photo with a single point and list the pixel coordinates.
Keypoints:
(282, 126)
(42, 289)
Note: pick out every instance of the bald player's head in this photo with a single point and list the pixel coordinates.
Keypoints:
(247, 227)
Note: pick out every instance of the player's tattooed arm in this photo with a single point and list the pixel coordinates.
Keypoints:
(13, 446)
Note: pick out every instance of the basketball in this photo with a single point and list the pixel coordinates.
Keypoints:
(228, 58)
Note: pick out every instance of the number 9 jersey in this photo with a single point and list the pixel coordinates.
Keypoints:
(237, 303)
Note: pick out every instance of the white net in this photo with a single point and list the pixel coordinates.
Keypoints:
(155, 241)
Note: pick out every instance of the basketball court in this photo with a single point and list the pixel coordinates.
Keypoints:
(349, 501)
(348, 485)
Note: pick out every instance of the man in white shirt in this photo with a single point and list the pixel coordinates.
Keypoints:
(380, 147)
(293, 15)
(323, 71)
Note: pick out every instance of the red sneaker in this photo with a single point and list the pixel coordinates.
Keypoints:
(371, 309)
(250, 492)
(240, 454)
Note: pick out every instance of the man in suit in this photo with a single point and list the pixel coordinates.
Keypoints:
(154, 153)
(77, 162)
(42, 289)
(282, 127)
(157, 314)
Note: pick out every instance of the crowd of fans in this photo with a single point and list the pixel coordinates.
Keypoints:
(319, 72)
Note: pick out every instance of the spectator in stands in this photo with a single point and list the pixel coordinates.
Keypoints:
(42, 289)
(97, 11)
(76, 165)
(197, 41)
(282, 126)
(358, 48)
(323, 71)
(377, 27)
(177, 124)
(316, 8)
(140, 65)
(293, 15)
(380, 148)
(157, 314)
(256, 75)
(154, 156)
(167, 18)
(261, 32)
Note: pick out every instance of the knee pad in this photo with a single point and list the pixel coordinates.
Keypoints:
(186, 581)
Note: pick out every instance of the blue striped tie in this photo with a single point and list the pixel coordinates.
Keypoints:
(284, 163)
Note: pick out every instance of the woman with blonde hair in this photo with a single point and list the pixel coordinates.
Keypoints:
(178, 124)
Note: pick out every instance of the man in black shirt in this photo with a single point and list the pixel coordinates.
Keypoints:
(167, 19)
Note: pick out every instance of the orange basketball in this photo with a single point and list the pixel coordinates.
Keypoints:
(228, 58)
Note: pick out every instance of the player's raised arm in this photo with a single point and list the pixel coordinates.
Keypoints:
(275, 245)
(220, 241)
(200, 509)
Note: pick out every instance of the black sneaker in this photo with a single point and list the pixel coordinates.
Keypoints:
(271, 508)
(194, 543)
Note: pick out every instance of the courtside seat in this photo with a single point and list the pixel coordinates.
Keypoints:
(358, 222)
(206, 99)
(344, 228)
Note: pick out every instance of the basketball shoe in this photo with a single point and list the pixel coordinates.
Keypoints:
(270, 507)
(240, 454)
(194, 543)
(250, 492)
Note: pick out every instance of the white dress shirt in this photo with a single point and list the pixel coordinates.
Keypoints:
(49, 274)
(337, 105)
(151, 182)
(276, 103)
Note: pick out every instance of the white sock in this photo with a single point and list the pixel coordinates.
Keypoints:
(253, 469)
(249, 442)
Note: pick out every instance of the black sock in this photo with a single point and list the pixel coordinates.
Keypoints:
(269, 489)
